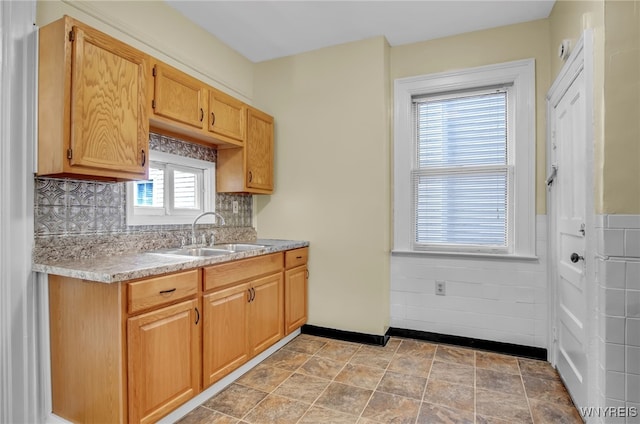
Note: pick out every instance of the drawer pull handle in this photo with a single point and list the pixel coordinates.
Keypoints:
(298, 257)
(168, 291)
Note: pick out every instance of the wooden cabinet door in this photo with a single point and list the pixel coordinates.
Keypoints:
(266, 318)
(259, 151)
(178, 97)
(227, 116)
(295, 295)
(109, 120)
(224, 332)
(164, 360)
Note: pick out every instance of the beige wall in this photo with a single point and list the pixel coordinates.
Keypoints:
(621, 160)
(616, 27)
(161, 31)
(504, 44)
(333, 176)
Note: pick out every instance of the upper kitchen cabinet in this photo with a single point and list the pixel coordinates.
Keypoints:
(249, 169)
(187, 107)
(92, 105)
(177, 98)
(227, 116)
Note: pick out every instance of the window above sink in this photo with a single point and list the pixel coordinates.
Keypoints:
(178, 190)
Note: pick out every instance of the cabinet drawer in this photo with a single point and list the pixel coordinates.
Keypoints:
(297, 257)
(152, 292)
(234, 272)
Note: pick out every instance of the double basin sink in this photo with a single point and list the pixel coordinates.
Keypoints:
(215, 250)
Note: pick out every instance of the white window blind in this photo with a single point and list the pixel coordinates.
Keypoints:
(461, 177)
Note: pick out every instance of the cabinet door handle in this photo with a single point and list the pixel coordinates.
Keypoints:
(250, 176)
(248, 295)
(201, 114)
(213, 119)
(167, 291)
(307, 274)
(144, 157)
(197, 316)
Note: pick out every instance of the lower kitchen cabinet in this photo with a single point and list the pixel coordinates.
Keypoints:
(225, 344)
(164, 360)
(295, 289)
(109, 365)
(134, 351)
(265, 313)
(244, 317)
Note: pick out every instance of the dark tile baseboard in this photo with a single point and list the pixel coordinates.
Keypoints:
(372, 339)
(488, 345)
(347, 336)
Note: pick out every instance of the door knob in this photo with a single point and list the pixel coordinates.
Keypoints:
(575, 257)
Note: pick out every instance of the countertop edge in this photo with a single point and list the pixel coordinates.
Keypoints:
(125, 267)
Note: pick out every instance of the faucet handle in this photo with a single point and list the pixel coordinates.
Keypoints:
(204, 239)
(183, 242)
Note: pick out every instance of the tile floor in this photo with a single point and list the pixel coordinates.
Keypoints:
(324, 381)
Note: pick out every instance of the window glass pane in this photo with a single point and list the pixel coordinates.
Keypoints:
(185, 186)
(150, 193)
(468, 130)
(460, 208)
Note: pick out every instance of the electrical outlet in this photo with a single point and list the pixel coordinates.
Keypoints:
(235, 206)
(441, 288)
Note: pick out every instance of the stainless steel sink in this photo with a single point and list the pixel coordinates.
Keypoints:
(238, 247)
(195, 251)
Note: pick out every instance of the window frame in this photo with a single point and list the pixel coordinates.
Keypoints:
(520, 76)
(168, 215)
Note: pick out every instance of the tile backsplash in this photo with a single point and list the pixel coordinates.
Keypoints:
(79, 207)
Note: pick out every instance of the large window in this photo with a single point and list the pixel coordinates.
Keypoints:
(464, 161)
(178, 190)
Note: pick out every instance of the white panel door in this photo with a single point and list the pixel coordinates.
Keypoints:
(568, 197)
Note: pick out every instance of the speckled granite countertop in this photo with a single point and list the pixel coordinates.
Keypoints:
(123, 267)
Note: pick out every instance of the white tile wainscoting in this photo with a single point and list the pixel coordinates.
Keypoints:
(618, 277)
(502, 300)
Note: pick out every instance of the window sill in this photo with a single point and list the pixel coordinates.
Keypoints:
(465, 255)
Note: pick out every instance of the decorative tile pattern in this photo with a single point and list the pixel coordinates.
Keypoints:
(166, 144)
(66, 207)
(366, 393)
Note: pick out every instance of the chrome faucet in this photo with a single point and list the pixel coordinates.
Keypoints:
(193, 226)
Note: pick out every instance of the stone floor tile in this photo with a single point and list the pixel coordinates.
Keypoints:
(318, 415)
(389, 408)
(338, 351)
(306, 344)
(235, 400)
(416, 348)
(322, 367)
(344, 398)
(497, 362)
(264, 377)
(456, 355)
(540, 369)
(277, 410)
(287, 359)
(551, 413)
(455, 396)
(304, 388)
(360, 375)
(202, 415)
(499, 381)
(438, 414)
(411, 365)
(514, 409)
(548, 390)
(402, 385)
(452, 373)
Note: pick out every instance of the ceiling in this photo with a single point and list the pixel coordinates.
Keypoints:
(264, 30)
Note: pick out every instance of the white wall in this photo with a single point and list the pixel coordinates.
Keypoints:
(19, 390)
(499, 300)
(618, 277)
